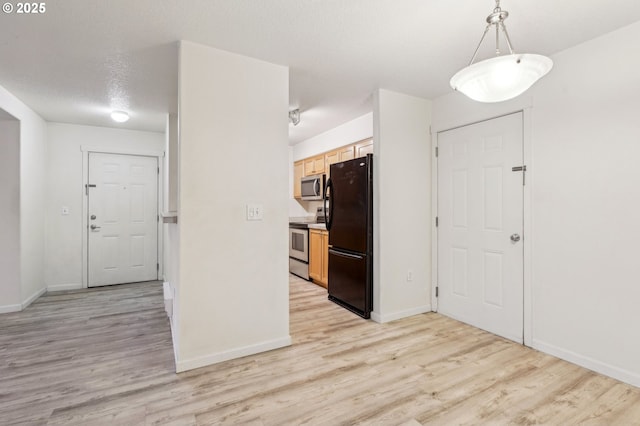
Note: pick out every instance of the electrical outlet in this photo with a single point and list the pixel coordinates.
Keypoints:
(409, 275)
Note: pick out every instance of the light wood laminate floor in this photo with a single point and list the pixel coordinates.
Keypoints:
(104, 356)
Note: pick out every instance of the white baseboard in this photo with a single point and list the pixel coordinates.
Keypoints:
(174, 342)
(10, 308)
(382, 318)
(64, 287)
(19, 307)
(167, 292)
(33, 297)
(590, 363)
(203, 361)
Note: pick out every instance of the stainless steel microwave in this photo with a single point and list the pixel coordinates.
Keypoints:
(312, 187)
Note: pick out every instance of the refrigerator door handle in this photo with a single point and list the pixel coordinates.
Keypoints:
(328, 217)
(347, 255)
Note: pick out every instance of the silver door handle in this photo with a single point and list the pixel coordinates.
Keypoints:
(94, 227)
(515, 238)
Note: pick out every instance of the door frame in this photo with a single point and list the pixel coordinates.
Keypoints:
(527, 152)
(92, 149)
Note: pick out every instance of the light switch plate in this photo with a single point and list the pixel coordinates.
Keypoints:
(254, 212)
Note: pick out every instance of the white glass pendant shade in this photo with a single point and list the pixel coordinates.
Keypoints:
(501, 78)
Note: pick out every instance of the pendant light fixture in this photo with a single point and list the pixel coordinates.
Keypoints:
(504, 76)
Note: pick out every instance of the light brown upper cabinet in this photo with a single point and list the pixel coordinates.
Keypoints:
(298, 172)
(314, 165)
(363, 148)
(341, 154)
(320, 163)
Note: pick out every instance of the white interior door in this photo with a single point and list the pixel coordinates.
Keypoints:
(480, 215)
(123, 221)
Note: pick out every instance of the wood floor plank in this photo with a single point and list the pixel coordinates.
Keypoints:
(104, 357)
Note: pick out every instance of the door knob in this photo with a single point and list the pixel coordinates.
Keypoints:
(94, 227)
(515, 238)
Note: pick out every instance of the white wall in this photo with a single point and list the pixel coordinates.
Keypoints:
(32, 168)
(171, 164)
(585, 205)
(170, 230)
(402, 213)
(350, 132)
(345, 134)
(10, 293)
(233, 280)
(65, 187)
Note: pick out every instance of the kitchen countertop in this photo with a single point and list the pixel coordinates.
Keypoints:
(321, 226)
(306, 224)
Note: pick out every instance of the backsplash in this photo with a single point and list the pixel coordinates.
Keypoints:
(298, 209)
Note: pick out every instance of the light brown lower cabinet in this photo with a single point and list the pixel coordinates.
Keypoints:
(319, 256)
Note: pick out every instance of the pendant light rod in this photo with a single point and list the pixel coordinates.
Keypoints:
(496, 18)
(506, 36)
(473, 58)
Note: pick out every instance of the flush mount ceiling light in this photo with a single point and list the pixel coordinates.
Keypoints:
(503, 77)
(294, 116)
(119, 116)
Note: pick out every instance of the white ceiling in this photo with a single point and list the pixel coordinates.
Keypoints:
(82, 58)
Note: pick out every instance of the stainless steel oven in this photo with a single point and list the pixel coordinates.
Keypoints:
(299, 250)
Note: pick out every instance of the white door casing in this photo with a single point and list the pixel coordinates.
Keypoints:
(123, 246)
(480, 206)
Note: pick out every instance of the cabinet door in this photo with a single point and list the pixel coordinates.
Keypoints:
(309, 163)
(318, 165)
(298, 171)
(347, 153)
(315, 254)
(363, 148)
(314, 165)
(329, 159)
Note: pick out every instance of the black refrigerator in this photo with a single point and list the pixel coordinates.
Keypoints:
(349, 220)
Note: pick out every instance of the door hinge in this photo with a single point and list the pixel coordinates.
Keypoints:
(436, 152)
(157, 266)
(522, 169)
(437, 290)
(158, 169)
(436, 221)
(158, 218)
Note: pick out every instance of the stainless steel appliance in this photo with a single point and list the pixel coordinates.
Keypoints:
(299, 250)
(312, 187)
(299, 243)
(349, 218)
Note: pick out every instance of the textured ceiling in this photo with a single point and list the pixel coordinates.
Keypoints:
(82, 58)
